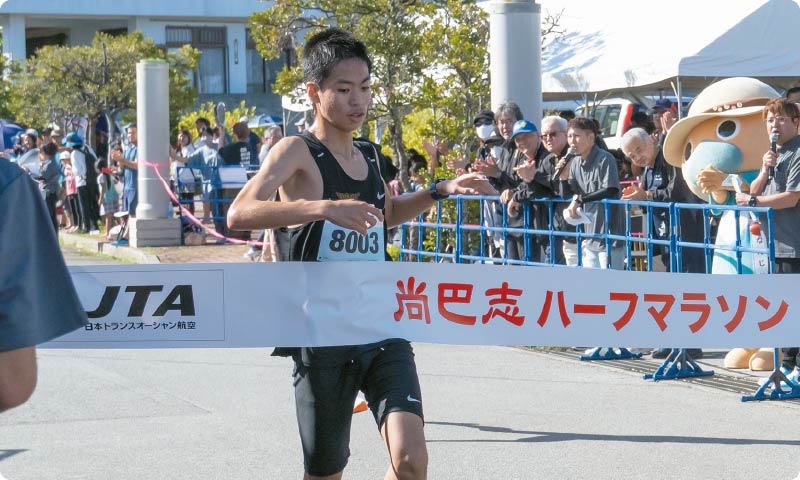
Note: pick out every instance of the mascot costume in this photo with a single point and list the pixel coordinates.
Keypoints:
(719, 146)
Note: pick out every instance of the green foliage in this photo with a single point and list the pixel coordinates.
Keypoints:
(426, 55)
(100, 78)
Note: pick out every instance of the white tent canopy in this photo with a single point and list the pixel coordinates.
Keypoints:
(621, 45)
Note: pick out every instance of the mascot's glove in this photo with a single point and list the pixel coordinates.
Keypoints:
(710, 180)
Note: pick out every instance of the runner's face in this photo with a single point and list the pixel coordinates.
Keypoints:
(344, 97)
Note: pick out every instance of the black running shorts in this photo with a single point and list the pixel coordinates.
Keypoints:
(324, 398)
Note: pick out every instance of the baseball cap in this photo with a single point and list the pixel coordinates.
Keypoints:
(32, 132)
(523, 126)
(483, 118)
(244, 119)
(72, 140)
(664, 103)
(56, 132)
(64, 155)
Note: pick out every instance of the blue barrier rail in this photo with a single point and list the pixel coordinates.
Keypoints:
(641, 243)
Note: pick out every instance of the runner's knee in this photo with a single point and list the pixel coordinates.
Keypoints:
(410, 462)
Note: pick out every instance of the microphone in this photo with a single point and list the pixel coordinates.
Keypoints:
(773, 145)
(569, 156)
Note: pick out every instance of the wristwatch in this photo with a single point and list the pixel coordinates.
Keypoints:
(753, 201)
(432, 189)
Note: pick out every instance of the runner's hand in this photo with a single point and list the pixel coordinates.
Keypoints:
(468, 184)
(353, 214)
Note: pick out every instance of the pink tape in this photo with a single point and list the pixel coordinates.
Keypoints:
(189, 214)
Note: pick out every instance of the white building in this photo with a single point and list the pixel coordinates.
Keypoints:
(230, 70)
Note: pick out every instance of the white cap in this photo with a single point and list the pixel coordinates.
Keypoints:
(244, 119)
(64, 155)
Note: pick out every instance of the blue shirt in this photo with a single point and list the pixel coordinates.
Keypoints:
(131, 175)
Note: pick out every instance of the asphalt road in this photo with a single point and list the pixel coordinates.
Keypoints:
(491, 413)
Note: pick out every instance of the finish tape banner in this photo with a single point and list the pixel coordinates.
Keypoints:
(344, 303)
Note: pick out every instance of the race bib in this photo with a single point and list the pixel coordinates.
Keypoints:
(345, 245)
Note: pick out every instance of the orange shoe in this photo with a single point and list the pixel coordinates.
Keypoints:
(360, 405)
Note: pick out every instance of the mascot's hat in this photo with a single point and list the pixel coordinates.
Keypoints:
(732, 97)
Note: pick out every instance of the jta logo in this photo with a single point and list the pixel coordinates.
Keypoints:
(180, 298)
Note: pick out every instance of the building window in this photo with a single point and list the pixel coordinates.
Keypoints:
(211, 74)
(261, 74)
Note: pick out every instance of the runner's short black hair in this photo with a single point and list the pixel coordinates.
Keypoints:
(326, 49)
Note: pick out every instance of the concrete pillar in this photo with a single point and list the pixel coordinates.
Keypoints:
(237, 58)
(515, 60)
(152, 226)
(14, 37)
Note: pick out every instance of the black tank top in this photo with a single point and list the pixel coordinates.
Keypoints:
(302, 243)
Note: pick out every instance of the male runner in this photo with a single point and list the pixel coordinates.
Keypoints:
(330, 185)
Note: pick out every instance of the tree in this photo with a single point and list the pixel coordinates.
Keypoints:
(99, 78)
(427, 57)
(393, 30)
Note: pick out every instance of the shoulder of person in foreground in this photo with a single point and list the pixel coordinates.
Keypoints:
(31, 268)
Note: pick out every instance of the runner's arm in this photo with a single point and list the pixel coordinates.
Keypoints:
(405, 207)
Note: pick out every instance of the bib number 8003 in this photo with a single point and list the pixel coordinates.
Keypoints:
(352, 242)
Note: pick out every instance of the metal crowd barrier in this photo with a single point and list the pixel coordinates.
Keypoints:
(454, 232)
(215, 186)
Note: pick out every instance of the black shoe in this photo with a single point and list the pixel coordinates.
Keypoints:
(661, 353)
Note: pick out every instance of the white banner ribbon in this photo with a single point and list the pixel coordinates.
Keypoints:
(344, 303)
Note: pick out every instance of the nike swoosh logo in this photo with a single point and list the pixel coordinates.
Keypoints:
(412, 399)
(381, 195)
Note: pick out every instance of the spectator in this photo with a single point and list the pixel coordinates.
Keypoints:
(526, 139)
(592, 176)
(662, 182)
(71, 192)
(48, 180)
(665, 114)
(272, 136)
(78, 159)
(793, 94)
(203, 127)
(500, 172)
(540, 180)
(567, 114)
(109, 200)
(234, 154)
(253, 140)
(781, 193)
(39, 299)
(185, 188)
(128, 160)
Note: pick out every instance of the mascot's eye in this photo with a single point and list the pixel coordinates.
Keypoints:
(727, 129)
(687, 152)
